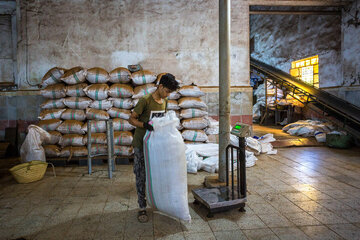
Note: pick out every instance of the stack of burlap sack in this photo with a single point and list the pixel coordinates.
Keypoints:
(193, 113)
(77, 95)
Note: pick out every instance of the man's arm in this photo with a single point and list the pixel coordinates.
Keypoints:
(134, 120)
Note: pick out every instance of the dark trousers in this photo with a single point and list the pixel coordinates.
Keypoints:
(139, 170)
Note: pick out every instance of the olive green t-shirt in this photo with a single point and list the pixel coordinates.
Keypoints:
(146, 108)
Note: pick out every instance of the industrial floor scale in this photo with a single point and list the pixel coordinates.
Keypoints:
(223, 198)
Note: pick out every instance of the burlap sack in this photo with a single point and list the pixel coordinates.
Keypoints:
(96, 138)
(119, 90)
(105, 104)
(70, 126)
(76, 90)
(52, 151)
(53, 103)
(174, 96)
(54, 138)
(77, 102)
(120, 75)
(143, 77)
(122, 125)
(99, 149)
(71, 151)
(172, 105)
(194, 135)
(124, 103)
(191, 102)
(191, 91)
(97, 75)
(125, 151)
(135, 101)
(74, 76)
(49, 125)
(143, 90)
(123, 138)
(74, 114)
(119, 113)
(54, 91)
(71, 140)
(195, 123)
(97, 126)
(50, 114)
(97, 91)
(97, 114)
(52, 77)
(192, 113)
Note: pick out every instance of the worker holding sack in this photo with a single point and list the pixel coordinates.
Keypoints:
(149, 106)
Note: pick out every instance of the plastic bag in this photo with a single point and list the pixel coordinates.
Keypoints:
(193, 161)
(32, 149)
(165, 163)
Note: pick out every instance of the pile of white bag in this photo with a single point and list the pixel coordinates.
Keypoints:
(77, 95)
(310, 128)
(206, 156)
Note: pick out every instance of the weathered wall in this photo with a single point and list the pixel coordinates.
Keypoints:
(281, 39)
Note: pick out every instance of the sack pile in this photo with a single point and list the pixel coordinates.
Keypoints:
(192, 112)
(77, 95)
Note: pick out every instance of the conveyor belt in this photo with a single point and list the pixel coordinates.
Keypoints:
(342, 110)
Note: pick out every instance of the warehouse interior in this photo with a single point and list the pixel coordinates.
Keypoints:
(72, 72)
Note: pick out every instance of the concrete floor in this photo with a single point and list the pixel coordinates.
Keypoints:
(300, 193)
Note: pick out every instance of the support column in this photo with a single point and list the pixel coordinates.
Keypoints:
(224, 84)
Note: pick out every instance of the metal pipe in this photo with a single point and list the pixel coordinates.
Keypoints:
(284, 12)
(109, 148)
(224, 84)
(89, 145)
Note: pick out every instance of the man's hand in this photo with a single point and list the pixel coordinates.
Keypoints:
(147, 126)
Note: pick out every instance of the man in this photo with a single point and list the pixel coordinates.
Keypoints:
(149, 106)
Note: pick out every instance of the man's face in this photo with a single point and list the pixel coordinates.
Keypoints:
(164, 92)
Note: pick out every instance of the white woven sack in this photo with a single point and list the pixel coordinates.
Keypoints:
(32, 148)
(174, 96)
(166, 178)
(70, 126)
(52, 151)
(49, 125)
(97, 126)
(77, 102)
(195, 123)
(194, 135)
(97, 75)
(97, 114)
(191, 91)
(53, 103)
(51, 114)
(71, 140)
(122, 125)
(102, 104)
(119, 90)
(73, 151)
(124, 103)
(119, 113)
(123, 138)
(120, 75)
(74, 114)
(52, 76)
(191, 102)
(172, 105)
(125, 151)
(143, 77)
(192, 113)
(143, 90)
(74, 76)
(54, 91)
(54, 138)
(76, 90)
(96, 138)
(97, 91)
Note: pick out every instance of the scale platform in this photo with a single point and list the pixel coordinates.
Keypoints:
(218, 199)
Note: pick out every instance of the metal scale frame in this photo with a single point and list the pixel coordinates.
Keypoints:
(224, 198)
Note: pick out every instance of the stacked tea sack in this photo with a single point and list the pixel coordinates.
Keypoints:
(193, 114)
(143, 82)
(74, 101)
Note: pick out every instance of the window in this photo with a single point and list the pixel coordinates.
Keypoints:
(306, 70)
